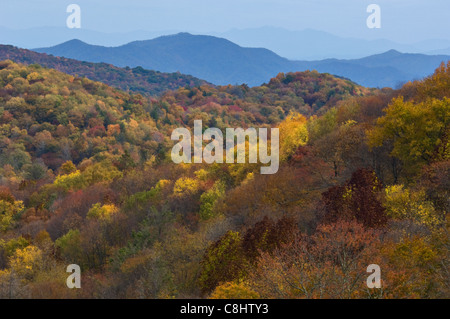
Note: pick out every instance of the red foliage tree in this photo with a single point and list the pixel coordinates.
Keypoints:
(358, 199)
(266, 236)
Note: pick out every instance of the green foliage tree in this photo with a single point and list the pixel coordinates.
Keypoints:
(223, 261)
(209, 198)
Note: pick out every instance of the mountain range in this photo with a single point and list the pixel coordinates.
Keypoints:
(312, 44)
(220, 61)
(308, 44)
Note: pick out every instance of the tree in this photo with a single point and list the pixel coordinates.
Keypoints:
(26, 262)
(358, 199)
(71, 181)
(9, 208)
(209, 198)
(68, 167)
(185, 186)
(266, 236)
(69, 246)
(418, 131)
(331, 263)
(405, 204)
(102, 212)
(35, 171)
(412, 268)
(293, 133)
(125, 162)
(436, 183)
(15, 155)
(435, 86)
(234, 290)
(223, 261)
(149, 275)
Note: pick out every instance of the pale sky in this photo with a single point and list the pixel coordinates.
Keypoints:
(402, 20)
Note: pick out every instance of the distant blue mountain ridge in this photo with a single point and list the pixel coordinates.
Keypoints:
(222, 62)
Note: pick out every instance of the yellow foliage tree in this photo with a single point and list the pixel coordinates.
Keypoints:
(234, 290)
(293, 133)
(25, 262)
(69, 181)
(416, 130)
(402, 203)
(100, 212)
(100, 172)
(7, 211)
(185, 186)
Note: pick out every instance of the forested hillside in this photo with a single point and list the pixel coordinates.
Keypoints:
(137, 80)
(87, 179)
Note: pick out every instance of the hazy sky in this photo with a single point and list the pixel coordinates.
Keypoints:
(402, 20)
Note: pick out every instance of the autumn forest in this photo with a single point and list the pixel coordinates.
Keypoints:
(86, 178)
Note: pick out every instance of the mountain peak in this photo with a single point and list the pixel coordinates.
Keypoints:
(185, 34)
(74, 42)
(392, 52)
